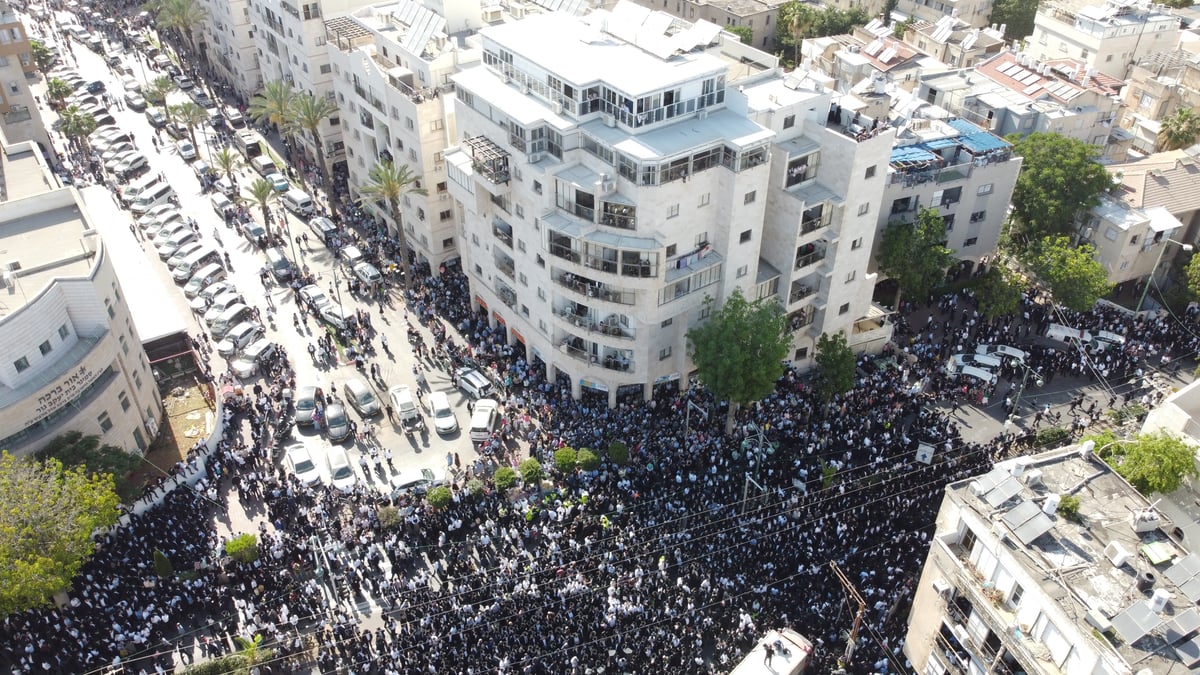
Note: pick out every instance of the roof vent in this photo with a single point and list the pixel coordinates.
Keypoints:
(12, 265)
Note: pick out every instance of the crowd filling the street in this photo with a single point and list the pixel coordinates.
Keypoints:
(676, 552)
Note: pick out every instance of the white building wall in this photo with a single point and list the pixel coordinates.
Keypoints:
(229, 32)
(1110, 49)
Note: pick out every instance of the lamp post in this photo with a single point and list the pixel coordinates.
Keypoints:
(287, 232)
(1039, 381)
(1150, 278)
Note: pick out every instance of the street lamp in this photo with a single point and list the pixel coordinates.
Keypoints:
(1149, 279)
(1038, 380)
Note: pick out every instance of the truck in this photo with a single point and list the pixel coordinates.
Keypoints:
(790, 654)
(249, 143)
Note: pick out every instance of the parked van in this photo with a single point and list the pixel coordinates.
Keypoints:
(1108, 340)
(263, 165)
(1002, 351)
(192, 263)
(985, 376)
(1067, 334)
(250, 143)
(474, 383)
(203, 278)
(135, 190)
(360, 397)
(323, 228)
(222, 205)
(231, 317)
(958, 361)
(280, 266)
(405, 407)
(484, 420)
(298, 202)
(159, 194)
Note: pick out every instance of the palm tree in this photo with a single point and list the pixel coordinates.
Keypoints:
(389, 182)
(157, 91)
(41, 55)
(190, 115)
(1179, 130)
(252, 651)
(801, 23)
(306, 114)
(227, 161)
(76, 124)
(273, 104)
(57, 90)
(181, 15)
(261, 192)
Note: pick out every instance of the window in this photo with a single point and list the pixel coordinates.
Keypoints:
(704, 198)
(325, 69)
(519, 210)
(63, 331)
(672, 210)
(978, 216)
(951, 196)
(664, 353)
(844, 308)
(112, 313)
(671, 250)
(525, 310)
(850, 275)
(446, 215)
(970, 242)
(801, 354)
(745, 236)
(447, 243)
(743, 271)
(1132, 242)
(21, 364)
(137, 379)
(1110, 233)
(124, 343)
(800, 169)
(856, 244)
(704, 313)
(521, 245)
(541, 293)
(1018, 592)
(123, 397)
(750, 197)
(789, 121)
(537, 187)
(985, 189)
(45, 347)
(863, 209)
(105, 422)
(668, 322)
(948, 221)
(870, 172)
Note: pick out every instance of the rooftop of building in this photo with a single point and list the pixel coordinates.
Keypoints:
(1164, 62)
(45, 241)
(743, 7)
(1060, 80)
(630, 47)
(1167, 179)
(950, 30)
(883, 54)
(931, 145)
(1102, 569)
(1110, 13)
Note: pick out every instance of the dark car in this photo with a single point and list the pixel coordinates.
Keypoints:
(95, 87)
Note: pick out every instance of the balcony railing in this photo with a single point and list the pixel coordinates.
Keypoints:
(609, 326)
(805, 259)
(585, 212)
(506, 294)
(802, 318)
(503, 232)
(801, 291)
(488, 159)
(505, 265)
(813, 224)
(619, 215)
(594, 289)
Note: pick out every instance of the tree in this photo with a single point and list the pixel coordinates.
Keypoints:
(76, 124)
(744, 33)
(836, 366)
(1155, 462)
(618, 453)
(997, 293)
(565, 460)
(1074, 277)
(273, 104)
(181, 15)
(307, 113)
(915, 254)
(531, 471)
(262, 193)
(74, 450)
(1178, 4)
(57, 91)
(389, 182)
(504, 478)
(41, 55)
(48, 514)
(191, 115)
(242, 548)
(588, 461)
(1179, 130)
(1059, 179)
(162, 565)
(227, 160)
(1016, 16)
(439, 497)
(251, 650)
(796, 21)
(1193, 276)
(157, 91)
(739, 351)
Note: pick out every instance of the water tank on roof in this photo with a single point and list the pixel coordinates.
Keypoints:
(1051, 505)
(1158, 601)
(1145, 580)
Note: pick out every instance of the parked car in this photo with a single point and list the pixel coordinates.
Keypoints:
(305, 404)
(135, 101)
(186, 150)
(314, 297)
(239, 338)
(444, 420)
(301, 463)
(337, 424)
(183, 82)
(205, 297)
(341, 473)
(416, 481)
(278, 182)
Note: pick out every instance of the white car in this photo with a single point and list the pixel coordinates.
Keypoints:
(301, 462)
(184, 82)
(172, 245)
(444, 421)
(341, 474)
(367, 273)
(169, 230)
(163, 221)
(115, 150)
(135, 101)
(220, 303)
(201, 302)
(416, 481)
(305, 404)
(259, 350)
(238, 338)
(186, 150)
(132, 165)
(314, 297)
(114, 161)
(152, 214)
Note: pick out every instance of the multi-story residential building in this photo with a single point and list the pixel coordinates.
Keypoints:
(228, 33)
(974, 13)
(963, 171)
(70, 356)
(391, 75)
(608, 196)
(1012, 586)
(1012, 93)
(871, 54)
(1108, 38)
(760, 16)
(19, 117)
(953, 41)
(1129, 240)
(1159, 85)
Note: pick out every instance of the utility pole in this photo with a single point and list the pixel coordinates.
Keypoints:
(756, 447)
(858, 616)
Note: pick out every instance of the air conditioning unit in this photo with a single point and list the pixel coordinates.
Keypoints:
(942, 588)
(702, 114)
(610, 121)
(517, 11)
(556, 107)
(12, 265)
(535, 157)
(524, 88)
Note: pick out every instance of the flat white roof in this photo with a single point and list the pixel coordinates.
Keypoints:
(523, 109)
(687, 134)
(580, 51)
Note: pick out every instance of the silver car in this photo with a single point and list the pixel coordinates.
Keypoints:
(305, 404)
(337, 424)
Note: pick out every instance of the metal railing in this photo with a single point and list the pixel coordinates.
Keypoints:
(593, 289)
(807, 259)
(801, 292)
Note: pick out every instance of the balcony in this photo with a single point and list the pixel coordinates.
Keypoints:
(593, 289)
(585, 212)
(810, 225)
(809, 254)
(504, 263)
(370, 98)
(582, 316)
(801, 291)
(622, 216)
(17, 114)
(855, 126)
(488, 159)
(503, 232)
(366, 119)
(801, 318)
(594, 354)
(506, 294)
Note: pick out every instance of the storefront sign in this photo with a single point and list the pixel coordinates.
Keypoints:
(66, 390)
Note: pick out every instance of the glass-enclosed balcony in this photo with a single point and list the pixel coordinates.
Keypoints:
(623, 216)
(504, 263)
(503, 231)
(506, 293)
(588, 318)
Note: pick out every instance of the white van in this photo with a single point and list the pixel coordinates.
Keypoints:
(222, 205)
(959, 361)
(405, 407)
(484, 419)
(280, 266)
(263, 165)
(191, 264)
(135, 190)
(1066, 334)
(202, 279)
(232, 316)
(1108, 340)
(298, 202)
(159, 194)
(1002, 351)
(985, 376)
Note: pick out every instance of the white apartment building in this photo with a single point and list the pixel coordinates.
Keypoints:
(290, 40)
(1011, 586)
(608, 195)
(391, 74)
(1108, 37)
(1127, 240)
(229, 35)
(70, 356)
(19, 117)
(956, 167)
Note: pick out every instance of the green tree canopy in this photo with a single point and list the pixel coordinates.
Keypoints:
(389, 182)
(1074, 277)
(504, 478)
(1193, 276)
(565, 460)
(997, 293)
(1155, 462)
(181, 15)
(836, 366)
(274, 104)
(42, 57)
(1016, 16)
(57, 90)
(531, 471)
(799, 21)
(243, 548)
(740, 350)
(915, 254)
(440, 497)
(744, 33)
(1059, 179)
(47, 516)
(75, 450)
